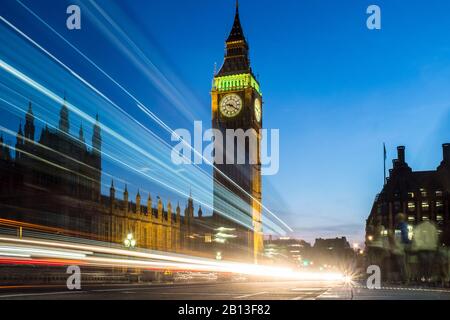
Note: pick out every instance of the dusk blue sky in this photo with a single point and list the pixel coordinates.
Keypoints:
(335, 89)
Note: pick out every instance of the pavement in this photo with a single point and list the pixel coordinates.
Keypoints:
(270, 290)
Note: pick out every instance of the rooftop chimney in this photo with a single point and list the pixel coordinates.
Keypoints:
(401, 154)
(446, 152)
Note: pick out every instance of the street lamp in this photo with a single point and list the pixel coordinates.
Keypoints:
(129, 241)
(218, 255)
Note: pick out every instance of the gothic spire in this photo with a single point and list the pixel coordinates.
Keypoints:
(64, 117)
(96, 137)
(29, 123)
(19, 142)
(29, 116)
(20, 132)
(20, 135)
(81, 134)
(236, 34)
(236, 56)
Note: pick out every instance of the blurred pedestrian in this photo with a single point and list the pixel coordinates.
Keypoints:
(443, 265)
(400, 243)
(377, 244)
(425, 243)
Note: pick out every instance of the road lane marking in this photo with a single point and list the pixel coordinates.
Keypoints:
(303, 298)
(38, 294)
(251, 295)
(117, 290)
(308, 289)
(407, 289)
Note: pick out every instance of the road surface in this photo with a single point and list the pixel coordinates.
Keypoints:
(283, 290)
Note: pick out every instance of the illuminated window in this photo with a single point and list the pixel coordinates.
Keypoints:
(439, 217)
(438, 193)
(411, 195)
(425, 218)
(439, 204)
(411, 218)
(411, 206)
(423, 192)
(425, 205)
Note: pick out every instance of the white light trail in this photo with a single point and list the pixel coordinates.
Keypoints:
(145, 109)
(122, 258)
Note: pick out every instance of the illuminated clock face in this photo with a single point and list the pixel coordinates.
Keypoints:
(230, 105)
(258, 110)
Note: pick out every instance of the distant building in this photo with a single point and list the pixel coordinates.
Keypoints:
(420, 195)
(53, 183)
(332, 244)
(286, 250)
(334, 251)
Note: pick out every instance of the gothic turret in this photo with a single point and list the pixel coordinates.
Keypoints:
(96, 137)
(81, 136)
(19, 143)
(178, 212)
(112, 191)
(97, 159)
(169, 212)
(112, 195)
(149, 205)
(190, 207)
(64, 117)
(138, 202)
(29, 124)
(125, 198)
(160, 209)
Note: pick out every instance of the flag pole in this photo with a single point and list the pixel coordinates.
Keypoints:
(384, 163)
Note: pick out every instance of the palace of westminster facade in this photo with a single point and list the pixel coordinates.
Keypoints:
(55, 183)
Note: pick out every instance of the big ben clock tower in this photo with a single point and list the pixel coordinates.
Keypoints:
(237, 104)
